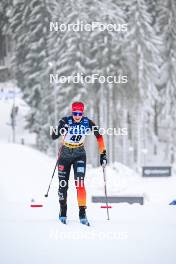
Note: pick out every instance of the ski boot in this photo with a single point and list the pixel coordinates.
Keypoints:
(63, 214)
(82, 216)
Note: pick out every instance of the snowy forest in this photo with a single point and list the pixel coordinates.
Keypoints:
(145, 53)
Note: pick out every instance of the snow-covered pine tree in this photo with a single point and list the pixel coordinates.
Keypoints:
(104, 48)
(29, 24)
(166, 27)
(143, 44)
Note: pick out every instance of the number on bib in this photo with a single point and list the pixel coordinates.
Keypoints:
(76, 138)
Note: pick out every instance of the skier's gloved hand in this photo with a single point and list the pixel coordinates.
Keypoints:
(103, 158)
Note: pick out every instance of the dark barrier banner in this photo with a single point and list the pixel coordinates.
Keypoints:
(118, 199)
(156, 171)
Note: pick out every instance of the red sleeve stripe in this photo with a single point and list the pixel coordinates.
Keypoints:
(101, 144)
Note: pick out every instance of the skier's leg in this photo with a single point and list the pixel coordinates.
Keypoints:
(63, 175)
(79, 166)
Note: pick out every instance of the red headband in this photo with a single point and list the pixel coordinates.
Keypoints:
(77, 106)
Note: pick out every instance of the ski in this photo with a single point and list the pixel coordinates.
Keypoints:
(84, 221)
(63, 219)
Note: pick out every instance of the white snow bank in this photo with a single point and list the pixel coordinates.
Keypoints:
(134, 234)
(122, 180)
(25, 172)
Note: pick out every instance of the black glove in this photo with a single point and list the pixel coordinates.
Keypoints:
(103, 158)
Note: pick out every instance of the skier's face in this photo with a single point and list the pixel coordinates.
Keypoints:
(77, 116)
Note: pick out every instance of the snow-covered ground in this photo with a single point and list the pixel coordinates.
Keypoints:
(134, 233)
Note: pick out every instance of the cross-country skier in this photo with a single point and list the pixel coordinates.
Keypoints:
(73, 128)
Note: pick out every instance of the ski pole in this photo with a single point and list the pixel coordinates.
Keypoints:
(105, 189)
(46, 195)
